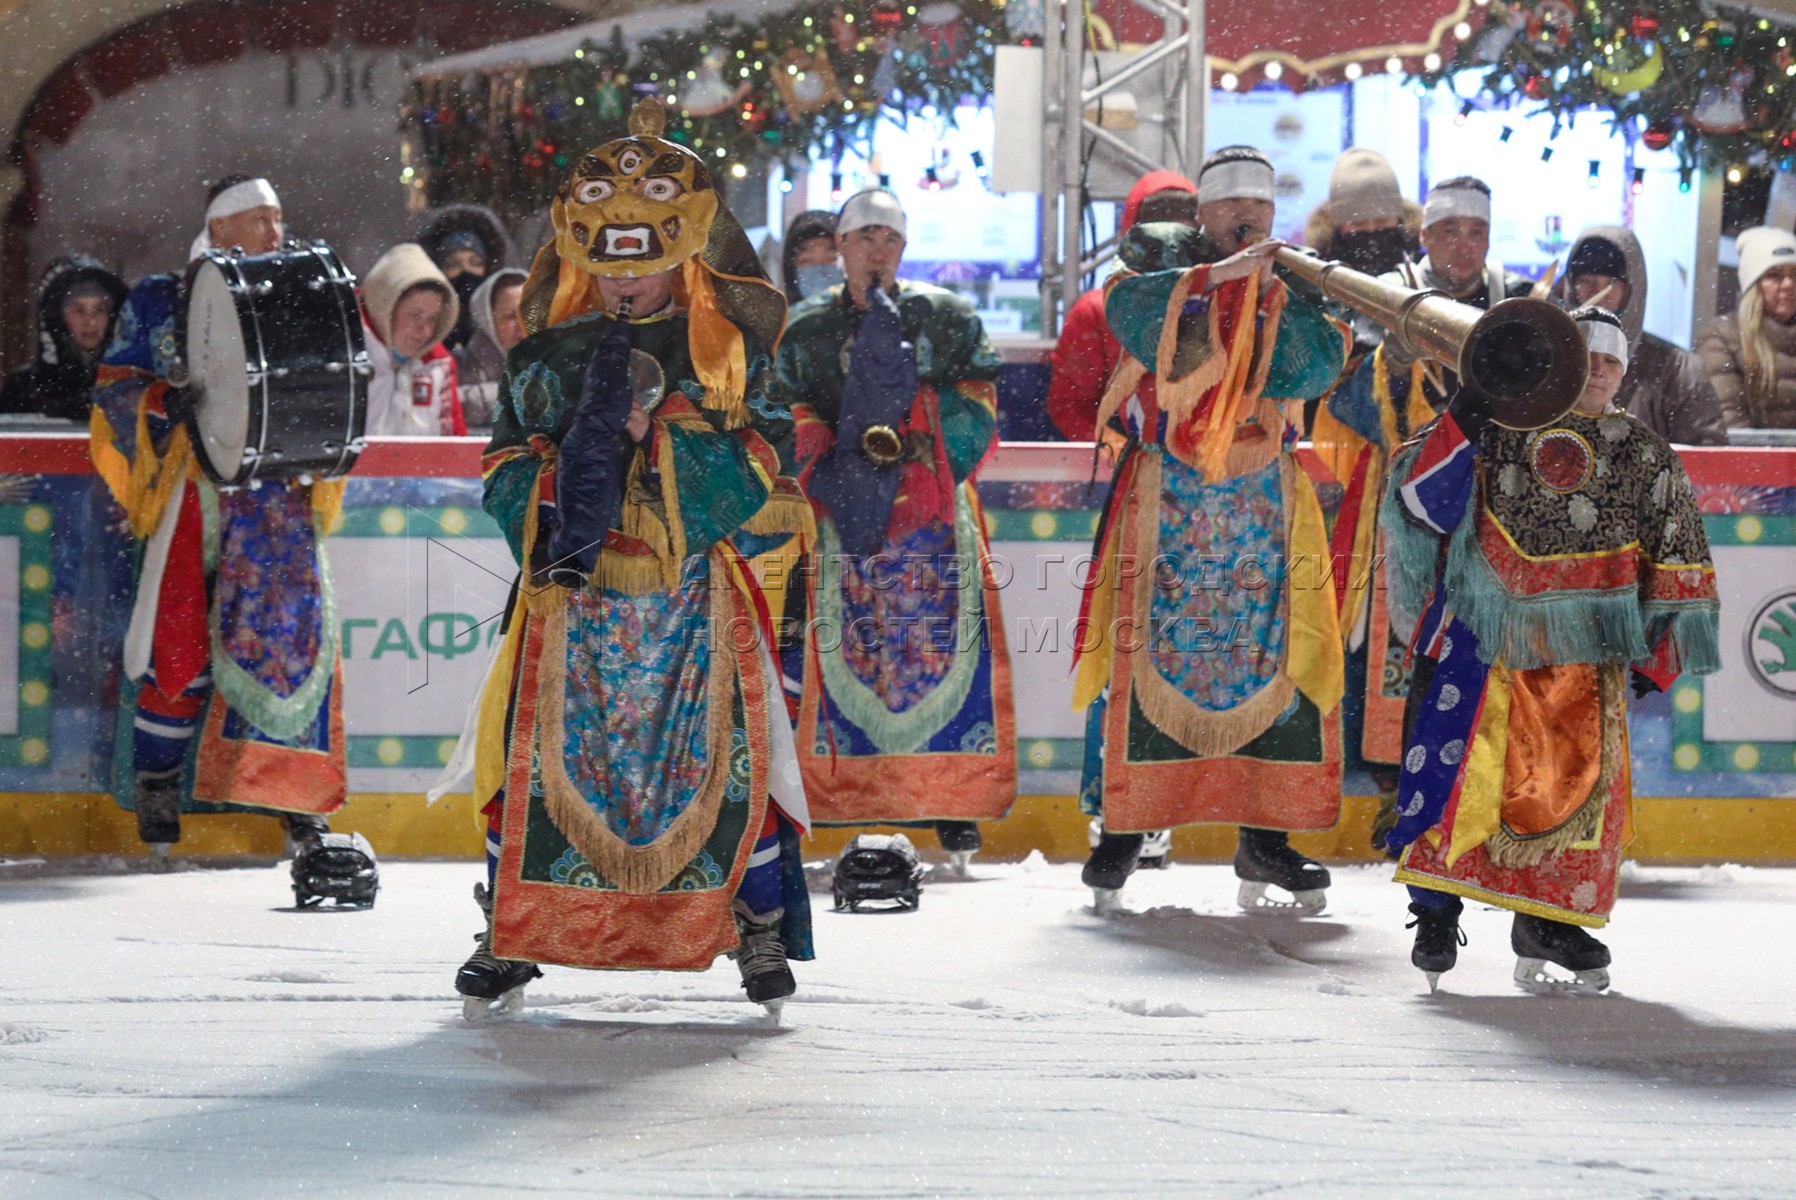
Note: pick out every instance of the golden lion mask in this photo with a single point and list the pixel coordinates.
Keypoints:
(638, 205)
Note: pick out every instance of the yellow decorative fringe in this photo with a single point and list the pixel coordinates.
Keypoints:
(1179, 398)
(637, 870)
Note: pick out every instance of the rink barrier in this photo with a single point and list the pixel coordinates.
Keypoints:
(1699, 800)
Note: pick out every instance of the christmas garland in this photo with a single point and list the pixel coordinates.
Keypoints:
(814, 78)
(1717, 83)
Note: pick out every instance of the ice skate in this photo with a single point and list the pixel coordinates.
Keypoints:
(302, 829)
(1538, 941)
(158, 804)
(339, 867)
(491, 986)
(1113, 859)
(1438, 939)
(962, 840)
(761, 957)
(1264, 859)
(1156, 850)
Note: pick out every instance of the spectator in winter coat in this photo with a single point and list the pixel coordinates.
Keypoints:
(407, 310)
(1666, 387)
(78, 305)
(467, 243)
(809, 262)
(1086, 353)
(1365, 222)
(1751, 356)
(497, 328)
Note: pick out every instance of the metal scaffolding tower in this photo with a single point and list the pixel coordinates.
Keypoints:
(1167, 131)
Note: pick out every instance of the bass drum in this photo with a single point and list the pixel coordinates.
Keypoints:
(275, 363)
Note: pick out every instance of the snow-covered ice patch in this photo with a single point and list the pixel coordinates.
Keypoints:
(1141, 1008)
(977, 1004)
(290, 977)
(1035, 862)
(13, 1034)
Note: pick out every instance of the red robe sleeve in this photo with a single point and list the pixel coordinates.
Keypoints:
(1083, 359)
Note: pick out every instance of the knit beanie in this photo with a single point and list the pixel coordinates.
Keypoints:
(1761, 248)
(1363, 188)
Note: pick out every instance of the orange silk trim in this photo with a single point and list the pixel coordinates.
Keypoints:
(1555, 745)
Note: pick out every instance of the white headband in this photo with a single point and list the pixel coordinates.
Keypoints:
(238, 198)
(1444, 202)
(1604, 338)
(1235, 179)
(241, 197)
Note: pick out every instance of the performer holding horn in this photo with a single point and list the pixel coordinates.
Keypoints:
(906, 713)
(1551, 554)
(1393, 392)
(644, 802)
(1210, 661)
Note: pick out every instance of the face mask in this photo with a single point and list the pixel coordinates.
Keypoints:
(818, 277)
(1373, 251)
(465, 285)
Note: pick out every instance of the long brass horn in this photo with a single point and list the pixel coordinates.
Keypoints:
(1524, 360)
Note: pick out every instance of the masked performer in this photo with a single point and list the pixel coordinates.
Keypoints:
(1209, 654)
(906, 713)
(233, 700)
(1547, 564)
(1379, 405)
(646, 807)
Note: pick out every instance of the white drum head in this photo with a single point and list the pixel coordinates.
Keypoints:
(218, 370)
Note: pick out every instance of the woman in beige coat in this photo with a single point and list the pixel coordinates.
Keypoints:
(1751, 356)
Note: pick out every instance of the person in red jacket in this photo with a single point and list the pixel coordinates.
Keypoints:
(1087, 351)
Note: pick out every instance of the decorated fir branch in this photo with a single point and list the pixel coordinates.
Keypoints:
(1716, 82)
(811, 78)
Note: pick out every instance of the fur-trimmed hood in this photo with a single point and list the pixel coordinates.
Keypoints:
(483, 223)
(62, 276)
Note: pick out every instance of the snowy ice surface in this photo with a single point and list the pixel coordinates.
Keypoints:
(184, 1035)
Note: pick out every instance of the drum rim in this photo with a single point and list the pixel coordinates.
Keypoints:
(342, 282)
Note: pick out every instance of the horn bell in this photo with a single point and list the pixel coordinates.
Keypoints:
(1523, 363)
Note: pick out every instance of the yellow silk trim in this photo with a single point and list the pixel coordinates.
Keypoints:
(1419, 413)
(718, 356)
(576, 293)
(1314, 657)
(489, 726)
(1097, 646)
(1236, 392)
(327, 506)
(1480, 811)
(113, 468)
(1336, 444)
